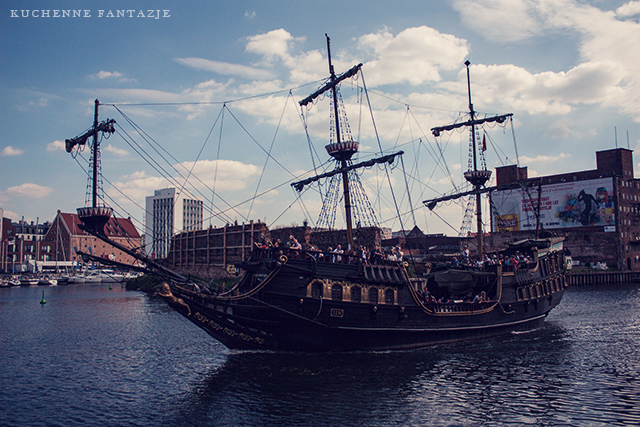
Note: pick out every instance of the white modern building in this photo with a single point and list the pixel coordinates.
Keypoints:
(169, 212)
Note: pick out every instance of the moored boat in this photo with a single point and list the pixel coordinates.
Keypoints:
(13, 281)
(76, 279)
(28, 280)
(92, 277)
(47, 281)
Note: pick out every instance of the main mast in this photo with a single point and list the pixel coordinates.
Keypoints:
(343, 148)
(342, 155)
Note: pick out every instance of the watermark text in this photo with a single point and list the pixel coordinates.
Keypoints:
(87, 13)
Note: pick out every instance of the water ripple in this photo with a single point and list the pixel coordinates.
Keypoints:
(95, 357)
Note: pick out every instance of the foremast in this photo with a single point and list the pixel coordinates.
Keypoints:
(93, 217)
(96, 216)
(476, 177)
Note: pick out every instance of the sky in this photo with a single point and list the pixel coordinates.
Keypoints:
(208, 91)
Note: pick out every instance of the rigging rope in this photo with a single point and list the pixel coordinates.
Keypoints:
(266, 160)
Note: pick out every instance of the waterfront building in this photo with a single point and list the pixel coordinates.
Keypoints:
(169, 212)
(32, 247)
(598, 211)
(205, 252)
(22, 243)
(65, 238)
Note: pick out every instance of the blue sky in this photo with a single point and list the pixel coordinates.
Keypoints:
(566, 69)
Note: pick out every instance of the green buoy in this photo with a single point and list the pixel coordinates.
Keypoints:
(110, 287)
(43, 302)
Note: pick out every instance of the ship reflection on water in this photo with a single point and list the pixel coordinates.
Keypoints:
(434, 386)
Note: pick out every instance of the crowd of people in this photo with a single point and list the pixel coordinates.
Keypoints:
(427, 298)
(359, 254)
(377, 256)
(510, 262)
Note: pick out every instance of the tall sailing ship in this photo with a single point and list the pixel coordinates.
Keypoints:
(293, 299)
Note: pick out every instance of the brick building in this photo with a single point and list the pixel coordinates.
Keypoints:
(65, 237)
(598, 211)
(205, 252)
(23, 243)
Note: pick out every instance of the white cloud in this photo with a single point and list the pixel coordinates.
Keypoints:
(560, 129)
(548, 92)
(11, 151)
(107, 74)
(275, 48)
(228, 175)
(57, 145)
(629, 9)
(275, 43)
(250, 14)
(501, 21)
(117, 151)
(607, 73)
(415, 55)
(226, 68)
(29, 190)
(544, 158)
(104, 75)
(31, 99)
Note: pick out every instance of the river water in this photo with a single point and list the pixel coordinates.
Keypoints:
(92, 356)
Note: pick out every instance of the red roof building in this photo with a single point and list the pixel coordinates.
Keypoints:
(68, 238)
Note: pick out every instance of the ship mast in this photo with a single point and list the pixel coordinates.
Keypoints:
(342, 149)
(477, 178)
(343, 157)
(94, 217)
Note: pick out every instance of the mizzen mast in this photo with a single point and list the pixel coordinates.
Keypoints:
(476, 177)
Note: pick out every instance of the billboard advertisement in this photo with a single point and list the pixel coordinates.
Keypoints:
(566, 205)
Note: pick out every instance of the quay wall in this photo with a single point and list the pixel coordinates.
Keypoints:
(586, 278)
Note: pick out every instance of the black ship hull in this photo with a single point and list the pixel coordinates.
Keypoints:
(299, 303)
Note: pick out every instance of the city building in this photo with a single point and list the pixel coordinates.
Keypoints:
(432, 247)
(66, 238)
(53, 245)
(22, 243)
(598, 211)
(169, 212)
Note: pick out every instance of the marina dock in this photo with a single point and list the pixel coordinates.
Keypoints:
(585, 278)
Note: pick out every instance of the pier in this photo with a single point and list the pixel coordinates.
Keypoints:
(585, 278)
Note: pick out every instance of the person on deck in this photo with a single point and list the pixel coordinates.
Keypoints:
(294, 245)
(376, 255)
(338, 250)
(398, 253)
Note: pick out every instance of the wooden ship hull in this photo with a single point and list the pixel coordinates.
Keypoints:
(298, 302)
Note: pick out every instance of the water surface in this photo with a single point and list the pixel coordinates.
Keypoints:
(94, 356)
